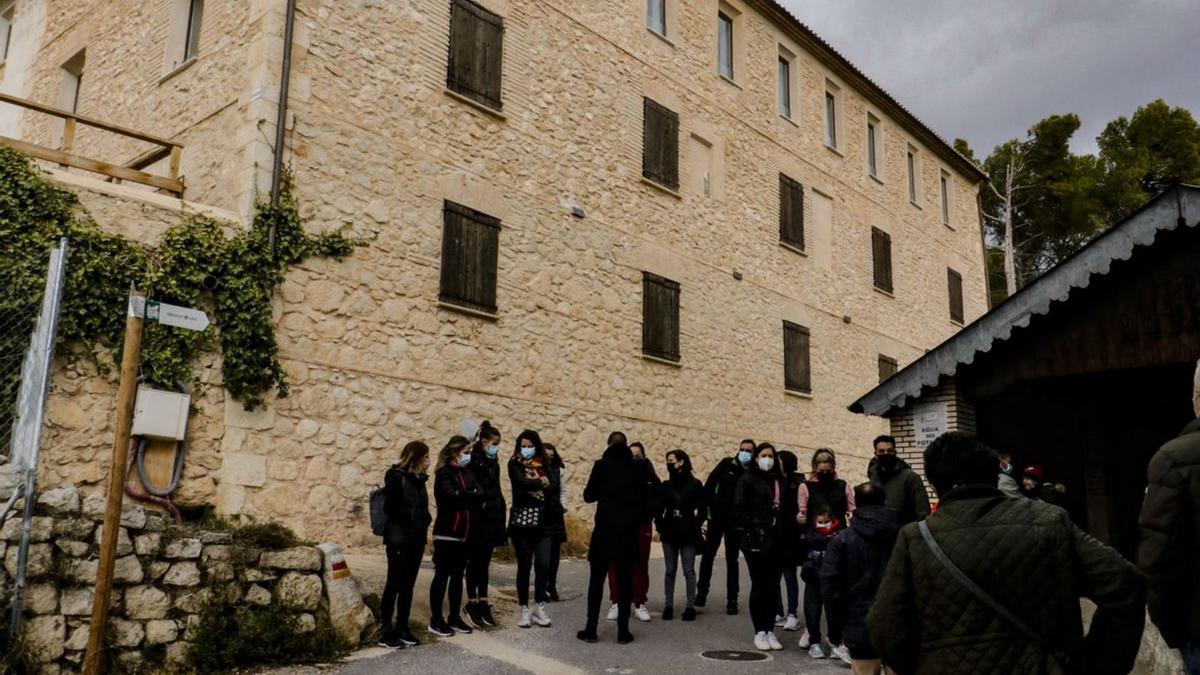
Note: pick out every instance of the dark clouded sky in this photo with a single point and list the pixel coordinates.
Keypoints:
(987, 70)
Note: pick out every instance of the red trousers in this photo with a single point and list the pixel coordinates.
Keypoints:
(641, 570)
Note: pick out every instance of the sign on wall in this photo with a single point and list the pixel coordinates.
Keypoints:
(929, 420)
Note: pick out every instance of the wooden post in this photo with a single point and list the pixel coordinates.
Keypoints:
(173, 171)
(68, 137)
(126, 396)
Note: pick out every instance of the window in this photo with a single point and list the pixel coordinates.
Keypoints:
(183, 38)
(476, 51)
(797, 370)
(945, 183)
(831, 119)
(954, 282)
(701, 172)
(725, 45)
(887, 367)
(470, 243)
(660, 144)
(873, 146)
(7, 13)
(785, 87)
(195, 15)
(660, 317)
(881, 256)
(656, 16)
(68, 96)
(912, 175)
(791, 212)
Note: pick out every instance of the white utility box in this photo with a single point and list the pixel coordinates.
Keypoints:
(160, 414)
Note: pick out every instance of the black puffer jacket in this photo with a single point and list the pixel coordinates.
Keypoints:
(406, 503)
(681, 510)
(721, 486)
(493, 510)
(1170, 548)
(853, 567)
(457, 495)
(756, 515)
(614, 485)
(1032, 559)
(904, 489)
(533, 491)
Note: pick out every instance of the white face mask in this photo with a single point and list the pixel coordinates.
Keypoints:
(766, 463)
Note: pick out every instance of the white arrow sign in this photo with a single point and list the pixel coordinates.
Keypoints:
(174, 315)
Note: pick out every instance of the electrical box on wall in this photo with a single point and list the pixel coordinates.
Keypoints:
(160, 414)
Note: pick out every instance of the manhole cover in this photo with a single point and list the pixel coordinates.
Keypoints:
(733, 655)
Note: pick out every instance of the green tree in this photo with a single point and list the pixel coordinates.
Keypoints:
(1146, 154)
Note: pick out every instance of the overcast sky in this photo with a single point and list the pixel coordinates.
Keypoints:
(986, 71)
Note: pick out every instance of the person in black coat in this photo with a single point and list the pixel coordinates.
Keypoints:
(535, 490)
(556, 521)
(719, 488)
(458, 497)
(645, 535)
(853, 567)
(406, 503)
(615, 486)
(791, 544)
(491, 530)
(758, 513)
(679, 514)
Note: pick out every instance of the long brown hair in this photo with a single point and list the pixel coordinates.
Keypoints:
(451, 450)
(412, 454)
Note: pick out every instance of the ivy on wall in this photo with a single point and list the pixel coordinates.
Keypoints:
(197, 264)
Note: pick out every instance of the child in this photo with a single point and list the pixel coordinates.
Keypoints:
(817, 535)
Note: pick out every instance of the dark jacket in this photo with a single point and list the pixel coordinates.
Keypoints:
(681, 510)
(853, 567)
(457, 495)
(721, 486)
(1170, 548)
(493, 510)
(755, 514)
(406, 503)
(791, 539)
(815, 546)
(904, 490)
(1032, 559)
(652, 483)
(831, 493)
(555, 515)
(615, 487)
(529, 491)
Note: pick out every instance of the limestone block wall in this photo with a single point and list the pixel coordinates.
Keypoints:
(953, 411)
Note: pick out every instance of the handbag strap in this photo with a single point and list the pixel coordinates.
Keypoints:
(984, 597)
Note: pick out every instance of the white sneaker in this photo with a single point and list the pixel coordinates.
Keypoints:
(613, 612)
(841, 652)
(816, 652)
(761, 642)
(641, 612)
(526, 617)
(779, 620)
(792, 623)
(774, 641)
(805, 640)
(539, 616)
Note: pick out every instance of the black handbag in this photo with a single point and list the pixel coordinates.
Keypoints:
(525, 517)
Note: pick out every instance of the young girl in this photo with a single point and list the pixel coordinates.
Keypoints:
(758, 510)
(534, 485)
(821, 529)
(491, 524)
(457, 495)
(406, 503)
(556, 526)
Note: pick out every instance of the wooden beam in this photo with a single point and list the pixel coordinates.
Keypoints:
(88, 121)
(174, 186)
(149, 157)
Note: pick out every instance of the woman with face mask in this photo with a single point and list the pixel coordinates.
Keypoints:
(759, 508)
(535, 484)
(680, 510)
(458, 496)
(406, 503)
(822, 490)
(491, 521)
(791, 548)
(556, 526)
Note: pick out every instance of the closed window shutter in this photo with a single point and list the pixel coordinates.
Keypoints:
(660, 317)
(954, 281)
(881, 255)
(470, 249)
(791, 212)
(476, 53)
(660, 144)
(797, 370)
(887, 367)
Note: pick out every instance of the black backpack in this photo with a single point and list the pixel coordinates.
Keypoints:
(379, 519)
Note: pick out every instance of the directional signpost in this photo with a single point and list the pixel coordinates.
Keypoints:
(174, 315)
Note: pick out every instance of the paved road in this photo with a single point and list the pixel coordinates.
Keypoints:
(661, 647)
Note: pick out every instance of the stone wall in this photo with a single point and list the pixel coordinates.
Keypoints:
(954, 413)
(164, 577)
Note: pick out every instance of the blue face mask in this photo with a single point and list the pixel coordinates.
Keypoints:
(492, 451)
(743, 457)
(527, 453)
(464, 460)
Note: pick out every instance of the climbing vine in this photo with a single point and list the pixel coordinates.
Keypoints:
(197, 264)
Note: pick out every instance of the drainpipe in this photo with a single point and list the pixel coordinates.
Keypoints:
(281, 119)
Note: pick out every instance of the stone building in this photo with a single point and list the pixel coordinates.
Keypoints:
(689, 219)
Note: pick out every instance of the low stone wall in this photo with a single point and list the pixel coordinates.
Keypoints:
(164, 579)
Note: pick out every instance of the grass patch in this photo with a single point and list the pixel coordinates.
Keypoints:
(15, 657)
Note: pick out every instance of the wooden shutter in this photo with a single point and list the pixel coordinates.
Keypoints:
(797, 371)
(954, 282)
(791, 212)
(660, 144)
(881, 256)
(660, 317)
(887, 367)
(476, 53)
(470, 248)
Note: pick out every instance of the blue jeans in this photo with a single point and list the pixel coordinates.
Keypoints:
(792, 586)
(1191, 658)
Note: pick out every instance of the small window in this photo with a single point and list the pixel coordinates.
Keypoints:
(881, 256)
(791, 212)
(785, 87)
(945, 184)
(797, 367)
(725, 45)
(656, 16)
(69, 92)
(476, 53)
(873, 146)
(470, 248)
(660, 144)
(830, 119)
(195, 16)
(954, 282)
(660, 317)
(887, 367)
(7, 13)
(912, 175)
